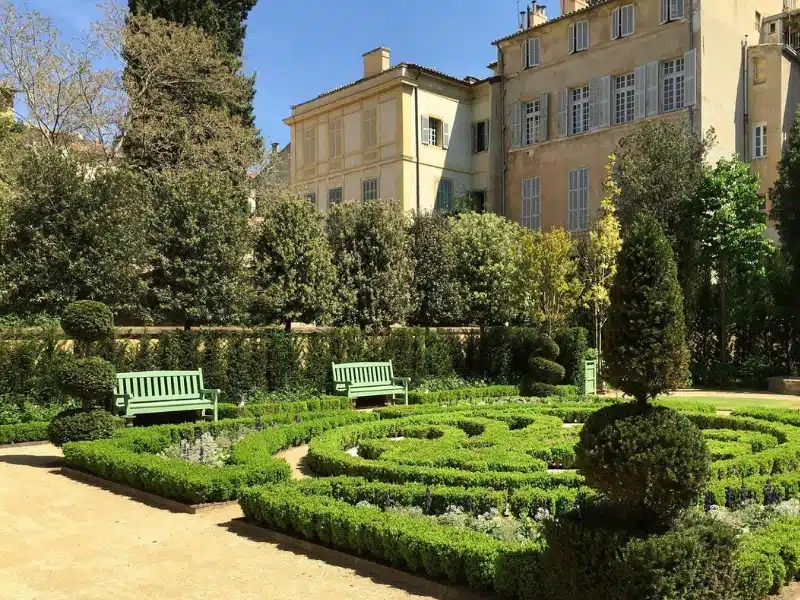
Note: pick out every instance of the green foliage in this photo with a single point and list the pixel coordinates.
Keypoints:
(87, 321)
(646, 353)
(81, 424)
(469, 394)
(370, 245)
(650, 461)
(546, 371)
(17, 433)
(785, 210)
(530, 387)
(486, 255)
(770, 558)
(201, 238)
(573, 344)
(438, 297)
(73, 237)
(294, 274)
(91, 380)
(546, 347)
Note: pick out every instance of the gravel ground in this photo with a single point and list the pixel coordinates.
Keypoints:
(65, 540)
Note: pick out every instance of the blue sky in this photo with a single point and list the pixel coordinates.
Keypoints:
(301, 49)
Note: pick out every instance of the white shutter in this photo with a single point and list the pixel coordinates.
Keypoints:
(474, 138)
(639, 87)
(664, 11)
(615, 23)
(534, 51)
(675, 9)
(426, 130)
(446, 135)
(632, 17)
(541, 135)
(525, 53)
(562, 112)
(652, 88)
(571, 42)
(585, 34)
(690, 78)
(594, 93)
(604, 102)
(516, 124)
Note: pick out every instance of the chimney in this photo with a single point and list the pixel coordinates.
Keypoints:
(376, 61)
(275, 146)
(568, 6)
(537, 14)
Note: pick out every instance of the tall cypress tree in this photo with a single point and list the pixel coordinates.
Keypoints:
(785, 196)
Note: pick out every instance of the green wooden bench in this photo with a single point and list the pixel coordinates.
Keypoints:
(163, 391)
(358, 380)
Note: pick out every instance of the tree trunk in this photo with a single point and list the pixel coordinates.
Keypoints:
(287, 325)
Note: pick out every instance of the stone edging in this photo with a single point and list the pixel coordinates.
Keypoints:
(142, 496)
(23, 444)
(412, 583)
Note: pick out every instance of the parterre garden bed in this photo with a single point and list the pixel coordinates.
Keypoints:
(456, 492)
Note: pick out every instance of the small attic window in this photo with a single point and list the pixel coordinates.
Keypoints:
(772, 27)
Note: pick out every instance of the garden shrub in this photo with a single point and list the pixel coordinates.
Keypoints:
(91, 380)
(33, 431)
(770, 558)
(81, 424)
(650, 461)
(531, 388)
(574, 345)
(469, 394)
(546, 347)
(87, 321)
(544, 370)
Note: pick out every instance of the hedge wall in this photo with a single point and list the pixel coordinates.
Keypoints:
(35, 431)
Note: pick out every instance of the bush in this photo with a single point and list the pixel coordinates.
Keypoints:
(80, 424)
(91, 380)
(33, 431)
(650, 461)
(470, 394)
(87, 321)
(574, 345)
(546, 371)
(546, 347)
(530, 388)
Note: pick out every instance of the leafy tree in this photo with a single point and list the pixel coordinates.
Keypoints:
(294, 274)
(201, 238)
(646, 354)
(785, 207)
(597, 251)
(74, 234)
(438, 297)
(487, 257)
(370, 245)
(730, 228)
(547, 283)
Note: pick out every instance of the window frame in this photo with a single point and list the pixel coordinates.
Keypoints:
(628, 94)
(370, 125)
(435, 134)
(336, 138)
(578, 200)
(531, 213)
(667, 13)
(759, 61)
(532, 52)
(531, 118)
(579, 33)
(331, 200)
(584, 104)
(309, 146)
(760, 147)
(443, 185)
(311, 197)
(364, 191)
(618, 19)
(678, 79)
(476, 147)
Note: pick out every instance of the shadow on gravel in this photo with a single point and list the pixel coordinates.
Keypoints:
(25, 460)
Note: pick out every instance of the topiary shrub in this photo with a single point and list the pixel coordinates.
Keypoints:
(545, 371)
(87, 321)
(650, 461)
(530, 388)
(546, 347)
(91, 380)
(81, 424)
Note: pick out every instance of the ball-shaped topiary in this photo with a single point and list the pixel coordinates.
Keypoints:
(91, 380)
(529, 388)
(545, 371)
(87, 321)
(546, 347)
(81, 424)
(650, 461)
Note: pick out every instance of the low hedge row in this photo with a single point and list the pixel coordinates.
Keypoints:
(769, 558)
(469, 394)
(129, 456)
(320, 404)
(34, 431)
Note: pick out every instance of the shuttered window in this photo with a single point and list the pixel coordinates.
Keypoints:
(624, 98)
(369, 189)
(578, 36)
(370, 127)
(444, 195)
(334, 196)
(531, 204)
(672, 10)
(578, 202)
(530, 53)
(673, 84)
(622, 22)
(759, 140)
(579, 110)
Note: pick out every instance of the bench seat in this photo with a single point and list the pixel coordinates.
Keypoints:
(357, 380)
(163, 391)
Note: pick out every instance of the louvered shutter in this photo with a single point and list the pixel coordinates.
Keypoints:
(640, 88)
(525, 53)
(474, 138)
(534, 50)
(571, 42)
(516, 124)
(562, 112)
(446, 135)
(426, 130)
(604, 101)
(594, 93)
(652, 88)
(664, 11)
(541, 135)
(690, 78)
(615, 23)
(585, 34)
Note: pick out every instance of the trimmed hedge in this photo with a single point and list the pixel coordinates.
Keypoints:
(128, 457)
(470, 394)
(34, 431)
(80, 425)
(769, 558)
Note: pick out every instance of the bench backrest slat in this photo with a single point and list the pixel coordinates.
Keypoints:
(153, 386)
(378, 373)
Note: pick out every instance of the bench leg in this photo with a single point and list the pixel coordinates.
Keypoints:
(215, 410)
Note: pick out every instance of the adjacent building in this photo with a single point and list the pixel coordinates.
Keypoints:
(531, 141)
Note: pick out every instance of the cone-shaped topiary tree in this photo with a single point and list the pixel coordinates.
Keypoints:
(646, 351)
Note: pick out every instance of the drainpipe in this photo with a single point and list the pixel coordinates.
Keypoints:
(745, 102)
(416, 136)
(501, 64)
(691, 47)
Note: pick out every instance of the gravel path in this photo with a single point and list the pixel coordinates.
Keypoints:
(65, 540)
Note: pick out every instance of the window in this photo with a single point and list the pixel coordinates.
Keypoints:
(444, 195)
(531, 205)
(334, 195)
(530, 53)
(772, 27)
(434, 132)
(673, 84)
(671, 10)
(478, 200)
(578, 36)
(622, 22)
(758, 21)
(759, 140)
(759, 70)
(312, 198)
(624, 98)
(370, 127)
(369, 189)
(532, 115)
(310, 145)
(579, 102)
(335, 138)
(480, 136)
(578, 203)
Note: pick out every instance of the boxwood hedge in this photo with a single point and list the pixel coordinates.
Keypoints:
(34, 431)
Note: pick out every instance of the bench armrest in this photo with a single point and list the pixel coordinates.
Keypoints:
(210, 392)
(403, 380)
(116, 404)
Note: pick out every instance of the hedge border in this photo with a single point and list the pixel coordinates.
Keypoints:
(19, 433)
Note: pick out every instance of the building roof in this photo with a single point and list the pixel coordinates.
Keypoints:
(553, 20)
(427, 70)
